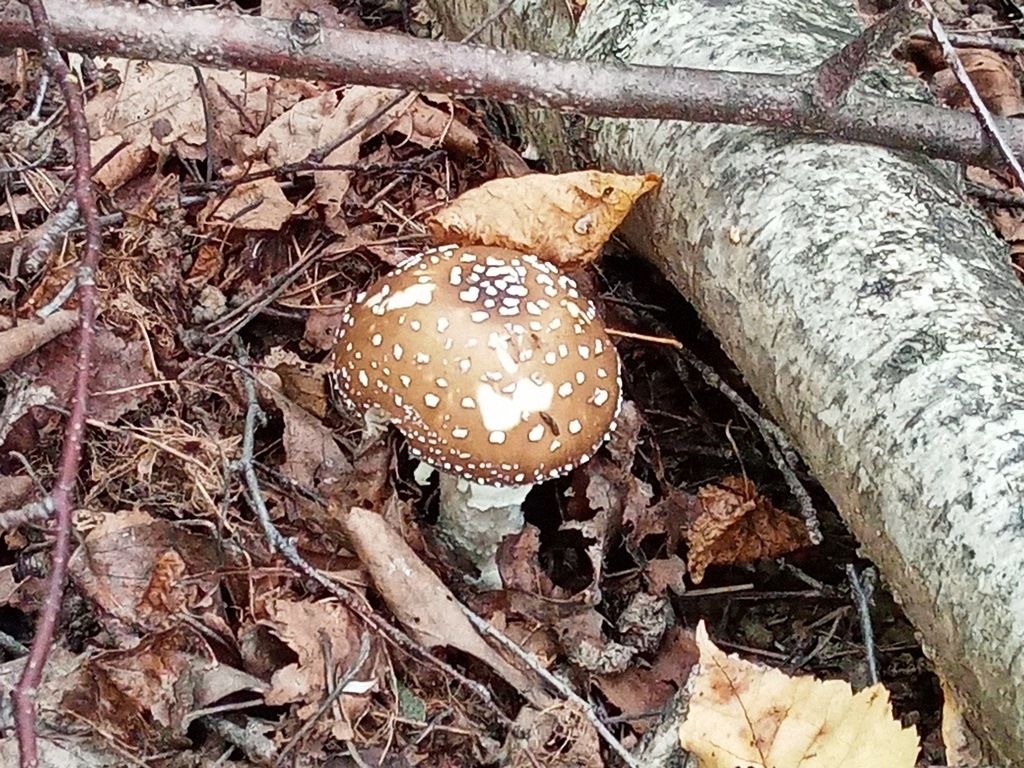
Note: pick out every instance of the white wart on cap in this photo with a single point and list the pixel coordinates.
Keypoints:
(488, 360)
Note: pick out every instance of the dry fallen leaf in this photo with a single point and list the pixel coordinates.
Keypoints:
(159, 106)
(743, 714)
(644, 688)
(313, 455)
(557, 737)
(319, 122)
(150, 692)
(565, 219)
(320, 634)
(420, 600)
(992, 75)
(258, 204)
(737, 525)
(140, 570)
(429, 126)
(118, 364)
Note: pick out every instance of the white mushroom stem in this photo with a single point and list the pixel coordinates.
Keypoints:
(475, 518)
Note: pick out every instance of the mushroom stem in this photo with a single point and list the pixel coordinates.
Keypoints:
(475, 518)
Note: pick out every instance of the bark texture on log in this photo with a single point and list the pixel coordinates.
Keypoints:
(866, 301)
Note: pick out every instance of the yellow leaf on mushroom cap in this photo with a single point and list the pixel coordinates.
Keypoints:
(565, 219)
(489, 361)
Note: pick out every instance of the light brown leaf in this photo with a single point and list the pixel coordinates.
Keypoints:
(258, 204)
(420, 600)
(429, 126)
(993, 77)
(743, 714)
(318, 122)
(565, 219)
(310, 630)
(738, 525)
(159, 106)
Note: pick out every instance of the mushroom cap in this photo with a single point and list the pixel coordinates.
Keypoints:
(488, 360)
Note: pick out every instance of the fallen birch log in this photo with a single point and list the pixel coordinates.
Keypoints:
(867, 303)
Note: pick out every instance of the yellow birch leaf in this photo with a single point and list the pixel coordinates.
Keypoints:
(745, 715)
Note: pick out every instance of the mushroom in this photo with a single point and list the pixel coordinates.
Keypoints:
(497, 372)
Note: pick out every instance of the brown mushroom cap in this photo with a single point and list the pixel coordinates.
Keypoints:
(488, 360)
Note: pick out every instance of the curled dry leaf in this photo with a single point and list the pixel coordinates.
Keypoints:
(738, 525)
(429, 126)
(420, 600)
(565, 219)
(313, 457)
(744, 714)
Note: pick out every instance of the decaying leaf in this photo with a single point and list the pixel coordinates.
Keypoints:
(559, 736)
(119, 364)
(140, 570)
(325, 638)
(420, 600)
(644, 688)
(992, 75)
(738, 525)
(258, 204)
(149, 693)
(565, 219)
(745, 715)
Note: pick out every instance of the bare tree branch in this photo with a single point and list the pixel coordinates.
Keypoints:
(229, 40)
(24, 693)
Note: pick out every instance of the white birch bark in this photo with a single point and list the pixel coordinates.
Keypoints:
(868, 304)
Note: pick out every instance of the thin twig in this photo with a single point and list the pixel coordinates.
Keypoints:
(32, 512)
(24, 693)
(487, 629)
(862, 587)
(334, 695)
(1011, 45)
(960, 72)
(781, 451)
